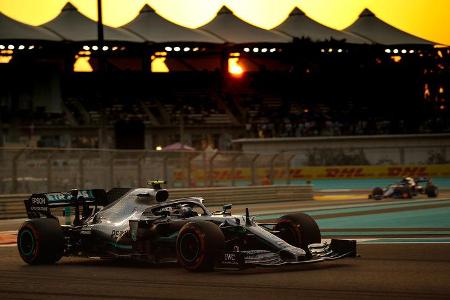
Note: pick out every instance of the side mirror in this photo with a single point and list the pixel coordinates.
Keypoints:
(74, 194)
(161, 195)
(226, 208)
(224, 211)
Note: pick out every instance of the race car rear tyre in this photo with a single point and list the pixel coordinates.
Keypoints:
(40, 241)
(432, 191)
(377, 193)
(199, 245)
(402, 192)
(299, 230)
(406, 193)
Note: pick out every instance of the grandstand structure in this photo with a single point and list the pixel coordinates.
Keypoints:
(152, 83)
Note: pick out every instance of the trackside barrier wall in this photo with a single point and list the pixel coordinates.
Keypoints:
(35, 170)
(393, 149)
(332, 172)
(11, 206)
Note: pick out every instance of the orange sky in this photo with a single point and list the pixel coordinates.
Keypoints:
(429, 19)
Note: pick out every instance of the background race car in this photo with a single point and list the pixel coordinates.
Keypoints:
(407, 188)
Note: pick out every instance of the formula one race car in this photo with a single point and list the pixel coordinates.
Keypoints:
(141, 223)
(407, 188)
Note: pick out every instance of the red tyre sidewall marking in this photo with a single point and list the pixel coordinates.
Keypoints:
(201, 238)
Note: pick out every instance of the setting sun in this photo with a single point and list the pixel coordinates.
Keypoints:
(428, 19)
(233, 65)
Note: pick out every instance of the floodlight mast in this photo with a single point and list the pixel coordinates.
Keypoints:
(100, 36)
(101, 66)
(99, 24)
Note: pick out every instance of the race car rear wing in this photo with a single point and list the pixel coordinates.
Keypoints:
(40, 204)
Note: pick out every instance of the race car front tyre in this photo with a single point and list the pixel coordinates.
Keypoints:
(299, 230)
(377, 193)
(199, 245)
(40, 241)
(432, 191)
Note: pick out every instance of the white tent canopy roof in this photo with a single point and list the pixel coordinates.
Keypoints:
(372, 28)
(13, 30)
(71, 25)
(233, 30)
(153, 28)
(299, 25)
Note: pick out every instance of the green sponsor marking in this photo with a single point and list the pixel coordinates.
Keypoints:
(66, 196)
(170, 238)
(121, 246)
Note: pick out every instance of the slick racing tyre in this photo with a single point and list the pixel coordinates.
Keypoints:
(40, 241)
(198, 246)
(432, 191)
(406, 193)
(377, 193)
(402, 192)
(299, 230)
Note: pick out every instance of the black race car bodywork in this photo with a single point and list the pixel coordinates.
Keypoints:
(142, 224)
(406, 189)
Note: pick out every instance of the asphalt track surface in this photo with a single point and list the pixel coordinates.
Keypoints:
(387, 270)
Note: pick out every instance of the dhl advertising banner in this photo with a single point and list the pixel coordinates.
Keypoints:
(323, 172)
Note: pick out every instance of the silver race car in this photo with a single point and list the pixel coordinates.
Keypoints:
(144, 224)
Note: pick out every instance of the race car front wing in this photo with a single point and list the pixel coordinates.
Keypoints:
(336, 249)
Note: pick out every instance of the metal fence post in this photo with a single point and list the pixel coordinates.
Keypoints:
(165, 172)
(288, 169)
(211, 171)
(253, 168)
(233, 168)
(81, 170)
(188, 169)
(190, 159)
(205, 169)
(402, 155)
(271, 172)
(49, 173)
(140, 182)
(111, 171)
(14, 172)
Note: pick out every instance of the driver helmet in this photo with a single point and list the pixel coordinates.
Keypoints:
(186, 211)
(409, 180)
